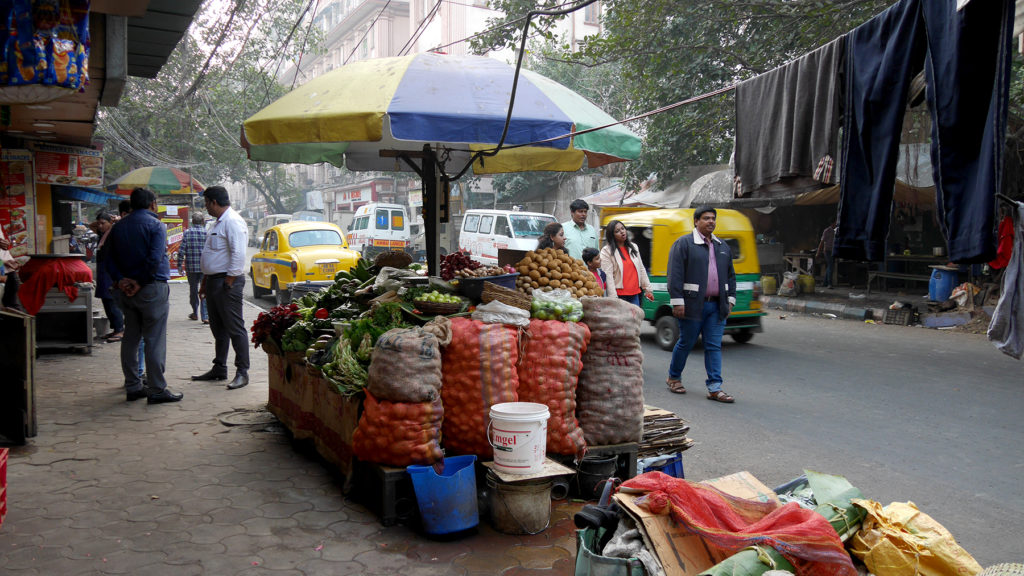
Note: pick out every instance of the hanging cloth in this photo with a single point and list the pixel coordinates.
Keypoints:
(787, 125)
(970, 47)
(1006, 329)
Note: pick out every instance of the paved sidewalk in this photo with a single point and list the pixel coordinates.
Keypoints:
(115, 487)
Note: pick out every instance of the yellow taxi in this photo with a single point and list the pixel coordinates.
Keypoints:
(296, 252)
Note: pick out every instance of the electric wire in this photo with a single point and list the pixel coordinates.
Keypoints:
(363, 37)
(515, 80)
(197, 82)
(305, 38)
(420, 29)
(509, 24)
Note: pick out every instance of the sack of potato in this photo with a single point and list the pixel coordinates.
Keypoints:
(551, 269)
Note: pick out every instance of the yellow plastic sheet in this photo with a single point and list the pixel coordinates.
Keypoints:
(900, 540)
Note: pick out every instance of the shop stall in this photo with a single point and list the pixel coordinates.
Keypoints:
(386, 368)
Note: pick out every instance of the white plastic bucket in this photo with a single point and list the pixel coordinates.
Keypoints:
(518, 432)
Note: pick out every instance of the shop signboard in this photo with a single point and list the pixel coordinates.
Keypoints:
(173, 217)
(17, 201)
(68, 165)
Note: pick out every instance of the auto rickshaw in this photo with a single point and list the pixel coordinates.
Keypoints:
(655, 230)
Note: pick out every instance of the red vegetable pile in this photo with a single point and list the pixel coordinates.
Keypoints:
(456, 261)
(273, 323)
(552, 360)
(399, 433)
(479, 370)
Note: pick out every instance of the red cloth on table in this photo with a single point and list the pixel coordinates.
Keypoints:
(803, 537)
(38, 275)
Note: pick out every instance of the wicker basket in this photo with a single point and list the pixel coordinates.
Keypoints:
(506, 296)
(437, 308)
(393, 258)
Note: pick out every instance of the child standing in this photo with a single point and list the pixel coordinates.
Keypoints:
(593, 262)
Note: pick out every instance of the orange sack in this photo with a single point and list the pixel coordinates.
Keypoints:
(399, 433)
(552, 360)
(479, 370)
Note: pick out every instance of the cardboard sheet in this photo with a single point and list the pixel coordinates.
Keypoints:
(550, 468)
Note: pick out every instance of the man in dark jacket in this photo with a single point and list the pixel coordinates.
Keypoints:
(702, 292)
(139, 269)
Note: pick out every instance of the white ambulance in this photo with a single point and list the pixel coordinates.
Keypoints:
(484, 232)
(379, 227)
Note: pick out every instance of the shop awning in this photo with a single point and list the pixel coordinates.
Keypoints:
(82, 194)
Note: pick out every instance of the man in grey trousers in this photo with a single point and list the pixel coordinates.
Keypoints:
(223, 266)
(139, 269)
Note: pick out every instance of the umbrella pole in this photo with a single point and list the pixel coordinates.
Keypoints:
(431, 210)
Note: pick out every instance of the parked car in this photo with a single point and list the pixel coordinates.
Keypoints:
(654, 232)
(296, 252)
(484, 232)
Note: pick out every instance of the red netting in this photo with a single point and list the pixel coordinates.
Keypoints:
(803, 537)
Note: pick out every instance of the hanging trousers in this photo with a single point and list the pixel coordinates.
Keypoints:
(966, 58)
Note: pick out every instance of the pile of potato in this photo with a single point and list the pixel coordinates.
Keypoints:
(550, 268)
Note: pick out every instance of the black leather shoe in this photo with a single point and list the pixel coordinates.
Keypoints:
(240, 381)
(210, 376)
(136, 395)
(165, 395)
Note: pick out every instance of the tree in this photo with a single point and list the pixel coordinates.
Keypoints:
(190, 115)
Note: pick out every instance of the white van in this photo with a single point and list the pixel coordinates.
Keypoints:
(266, 223)
(484, 232)
(379, 227)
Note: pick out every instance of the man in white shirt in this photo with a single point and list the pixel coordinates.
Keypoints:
(578, 234)
(223, 265)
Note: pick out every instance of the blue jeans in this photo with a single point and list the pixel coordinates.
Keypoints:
(634, 299)
(711, 327)
(198, 304)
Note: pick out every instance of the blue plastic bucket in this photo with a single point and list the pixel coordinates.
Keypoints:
(447, 501)
(941, 284)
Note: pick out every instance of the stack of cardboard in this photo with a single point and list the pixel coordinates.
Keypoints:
(664, 433)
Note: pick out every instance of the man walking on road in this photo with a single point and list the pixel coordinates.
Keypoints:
(188, 263)
(139, 270)
(223, 268)
(578, 234)
(702, 292)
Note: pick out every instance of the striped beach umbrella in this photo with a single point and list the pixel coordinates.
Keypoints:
(455, 104)
(159, 179)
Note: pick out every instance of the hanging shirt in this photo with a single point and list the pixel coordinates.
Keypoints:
(630, 279)
(1005, 246)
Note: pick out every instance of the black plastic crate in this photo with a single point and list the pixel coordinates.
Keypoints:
(901, 317)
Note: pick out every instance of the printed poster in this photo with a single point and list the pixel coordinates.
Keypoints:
(17, 201)
(68, 165)
(173, 218)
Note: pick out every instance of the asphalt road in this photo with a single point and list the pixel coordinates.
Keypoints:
(905, 414)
